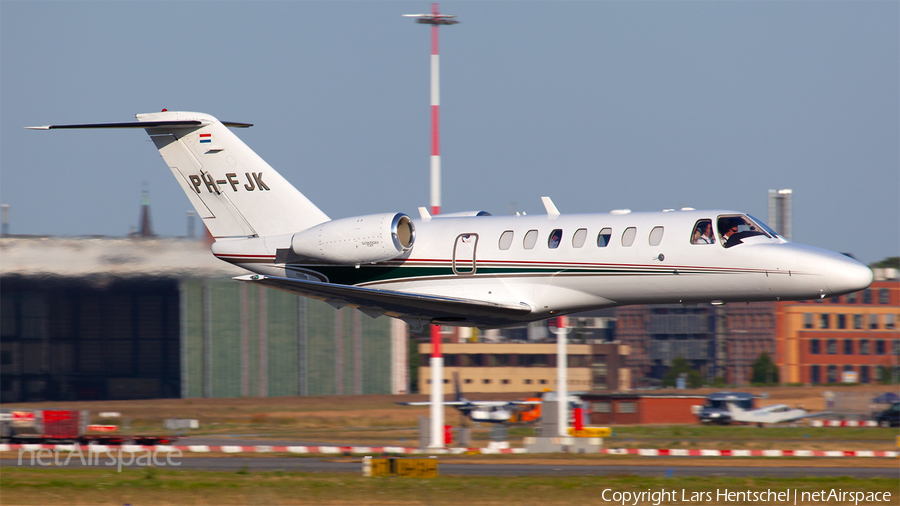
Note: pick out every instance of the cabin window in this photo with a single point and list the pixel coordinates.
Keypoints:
(555, 237)
(656, 236)
(703, 232)
(506, 239)
(603, 237)
(579, 237)
(628, 236)
(530, 239)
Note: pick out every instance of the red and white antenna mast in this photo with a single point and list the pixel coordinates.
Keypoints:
(436, 19)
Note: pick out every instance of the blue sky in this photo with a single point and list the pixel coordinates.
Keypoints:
(600, 105)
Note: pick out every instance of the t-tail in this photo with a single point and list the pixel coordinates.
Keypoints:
(234, 191)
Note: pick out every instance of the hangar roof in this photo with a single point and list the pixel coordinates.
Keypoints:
(122, 257)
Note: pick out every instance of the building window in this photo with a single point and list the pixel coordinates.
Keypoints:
(627, 407)
(863, 374)
(628, 236)
(890, 321)
(814, 377)
(841, 321)
(873, 321)
(656, 236)
(814, 347)
(824, 320)
(879, 347)
(832, 374)
(867, 296)
(857, 321)
(832, 346)
(851, 298)
(848, 347)
(579, 237)
(530, 239)
(603, 237)
(601, 407)
(555, 238)
(835, 300)
(896, 347)
(863, 346)
(884, 296)
(807, 320)
(506, 239)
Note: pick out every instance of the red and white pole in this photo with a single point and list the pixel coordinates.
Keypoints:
(437, 358)
(435, 116)
(436, 19)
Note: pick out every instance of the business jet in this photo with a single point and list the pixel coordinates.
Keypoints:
(473, 269)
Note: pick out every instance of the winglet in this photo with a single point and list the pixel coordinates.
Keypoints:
(552, 211)
(424, 214)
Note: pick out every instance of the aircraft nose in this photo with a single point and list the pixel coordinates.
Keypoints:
(845, 275)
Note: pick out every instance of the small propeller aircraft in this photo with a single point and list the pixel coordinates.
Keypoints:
(723, 408)
(472, 269)
(483, 411)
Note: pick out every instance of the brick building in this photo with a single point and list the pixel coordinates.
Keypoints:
(637, 408)
(853, 338)
(526, 367)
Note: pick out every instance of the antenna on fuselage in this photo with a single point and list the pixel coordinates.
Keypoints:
(552, 211)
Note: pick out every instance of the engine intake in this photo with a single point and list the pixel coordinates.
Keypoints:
(358, 240)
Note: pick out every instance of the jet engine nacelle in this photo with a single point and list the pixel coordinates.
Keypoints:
(358, 240)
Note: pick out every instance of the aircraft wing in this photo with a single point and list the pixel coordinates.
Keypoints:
(477, 404)
(375, 302)
(428, 403)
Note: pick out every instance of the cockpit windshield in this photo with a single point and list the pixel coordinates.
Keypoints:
(733, 229)
(765, 227)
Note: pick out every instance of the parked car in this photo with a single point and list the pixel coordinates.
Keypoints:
(889, 417)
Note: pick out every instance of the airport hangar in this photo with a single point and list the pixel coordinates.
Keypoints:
(95, 318)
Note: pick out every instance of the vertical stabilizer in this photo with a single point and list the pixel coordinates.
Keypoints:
(234, 191)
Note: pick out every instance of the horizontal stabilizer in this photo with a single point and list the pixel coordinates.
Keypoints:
(141, 124)
(396, 304)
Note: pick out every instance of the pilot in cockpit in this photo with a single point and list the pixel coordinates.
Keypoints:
(727, 228)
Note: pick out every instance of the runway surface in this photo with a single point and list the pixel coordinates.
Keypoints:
(339, 465)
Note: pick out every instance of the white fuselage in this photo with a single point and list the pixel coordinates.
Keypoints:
(579, 274)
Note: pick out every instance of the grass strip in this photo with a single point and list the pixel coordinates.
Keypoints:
(26, 486)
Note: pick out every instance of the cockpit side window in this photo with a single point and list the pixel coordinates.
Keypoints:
(734, 228)
(703, 232)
